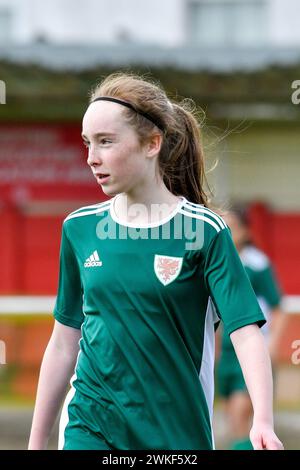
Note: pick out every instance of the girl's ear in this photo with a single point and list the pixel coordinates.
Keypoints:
(153, 145)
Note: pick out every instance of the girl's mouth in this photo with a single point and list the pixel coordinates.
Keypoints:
(102, 178)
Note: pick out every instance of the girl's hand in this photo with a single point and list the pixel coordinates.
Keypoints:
(264, 438)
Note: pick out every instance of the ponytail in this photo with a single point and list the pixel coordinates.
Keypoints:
(181, 157)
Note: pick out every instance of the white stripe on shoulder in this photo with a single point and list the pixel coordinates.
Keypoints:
(84, 213)
(204, 210)
(92, 206)
(202, 217)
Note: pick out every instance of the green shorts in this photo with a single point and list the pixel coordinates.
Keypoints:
(230, 377)
(80, 424)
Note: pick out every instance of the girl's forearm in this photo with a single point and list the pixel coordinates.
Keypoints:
(252, 353)
(56, 371)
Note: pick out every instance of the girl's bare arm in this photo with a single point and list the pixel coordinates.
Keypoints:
(252, 353)
(56, 370)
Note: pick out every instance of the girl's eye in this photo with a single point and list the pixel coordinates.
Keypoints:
(102, 142)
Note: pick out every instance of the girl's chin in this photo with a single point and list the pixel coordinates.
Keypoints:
(109, 191)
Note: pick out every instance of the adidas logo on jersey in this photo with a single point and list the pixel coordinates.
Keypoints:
(93, 261)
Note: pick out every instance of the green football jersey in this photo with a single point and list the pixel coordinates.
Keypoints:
(265, 285)
(147, 299)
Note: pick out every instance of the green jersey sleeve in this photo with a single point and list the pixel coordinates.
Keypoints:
(266, 286)
(229, 285)
(69, 302)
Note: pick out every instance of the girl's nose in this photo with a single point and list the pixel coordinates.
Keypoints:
(93, 157)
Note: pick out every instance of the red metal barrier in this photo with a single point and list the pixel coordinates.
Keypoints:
(278, 234)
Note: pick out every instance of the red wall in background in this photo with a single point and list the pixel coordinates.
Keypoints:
(278, 234)
(40, 165)
(29, 249)
(286, 250)
(44, 163)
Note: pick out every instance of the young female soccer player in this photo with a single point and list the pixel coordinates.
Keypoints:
(142, 277)
(232, 387)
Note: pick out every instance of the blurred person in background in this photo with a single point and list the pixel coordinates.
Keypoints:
(143, 306)
(231, 383)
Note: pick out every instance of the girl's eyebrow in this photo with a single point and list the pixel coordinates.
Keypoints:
(99, 134)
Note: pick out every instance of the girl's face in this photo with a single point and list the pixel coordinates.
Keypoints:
(114, 149)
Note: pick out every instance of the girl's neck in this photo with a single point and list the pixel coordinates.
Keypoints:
(146, 207)
(154, 194)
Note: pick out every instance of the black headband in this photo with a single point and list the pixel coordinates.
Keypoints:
(130, 106)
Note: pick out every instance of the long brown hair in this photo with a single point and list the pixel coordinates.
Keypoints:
(181, 159)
